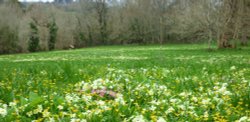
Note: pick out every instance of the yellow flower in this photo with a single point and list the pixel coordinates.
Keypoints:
(154, 118)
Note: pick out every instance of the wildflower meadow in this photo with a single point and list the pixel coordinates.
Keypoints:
(169, 83)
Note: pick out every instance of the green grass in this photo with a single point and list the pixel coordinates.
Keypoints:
(133, 72)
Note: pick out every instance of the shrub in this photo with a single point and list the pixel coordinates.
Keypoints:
(34, 38)
(53, 34)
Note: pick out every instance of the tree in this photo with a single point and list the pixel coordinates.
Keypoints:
(102, 10)
(9, 28)
(245, 22)
(52, 34)
(34, 38)
(232, 24)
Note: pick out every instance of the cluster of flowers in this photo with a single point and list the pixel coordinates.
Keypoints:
(3, 110)
(122, 97)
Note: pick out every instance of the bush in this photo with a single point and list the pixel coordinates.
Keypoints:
(53, 34)
(34, 38)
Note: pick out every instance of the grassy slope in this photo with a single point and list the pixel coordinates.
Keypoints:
(61, 68)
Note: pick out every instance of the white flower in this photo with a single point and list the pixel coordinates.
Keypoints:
(5, 106)
(154, 102)
(205, 102)
(51, 120)
(194, 99)
(223, 90)
(29, 114)
(46, 113)
(119, 99)
(60, 107)
(97, 83)
(138, 118)
(174, 100)
(184, 94)
(170, 110)
(86, 87)
(83, 120)
(151, 92)
(86, 98)
(191, 107)
(160, 119)
(68, 98)
(243, 119)
(206, 114)
(100, 102)
(152, 108)
(244, 80)
(39, 109)
(3, 112)
(74, 120)
(72, 98)
(232, 68)
(72, 115)
(77, 120)
(12, 104)
(182, 107)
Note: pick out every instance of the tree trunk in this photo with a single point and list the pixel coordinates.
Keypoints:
(210, 39)
(244, 39)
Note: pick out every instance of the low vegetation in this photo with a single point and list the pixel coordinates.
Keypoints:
(133, 83)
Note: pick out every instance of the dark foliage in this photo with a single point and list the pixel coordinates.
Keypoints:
(34, 38)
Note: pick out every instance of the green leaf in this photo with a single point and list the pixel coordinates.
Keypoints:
(35, 99)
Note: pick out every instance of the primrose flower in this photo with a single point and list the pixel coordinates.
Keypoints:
(100, 102)
(194, 99)
(74, 120)
(151, 92)
(223, 90)
(174, 101)
(51, 119)
(120, 99)
(138, 118)
(12, 104)
(29, 114)
(243, 119)
(46, 113)
(39, 109)
(85, 87)
(3, 112)
(205, 101)
(154, 102)
(170, 110)
(206, 114)
(98, 83)
(87, 98)
(160, 119)
(72, 98)
(184, 94)
(232, 68)
(72, 115)
(60, 107)
(152, 108)
(182, 107)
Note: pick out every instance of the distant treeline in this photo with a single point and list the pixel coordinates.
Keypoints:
(42, 26)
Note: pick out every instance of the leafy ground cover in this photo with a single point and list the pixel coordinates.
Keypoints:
(126, 83)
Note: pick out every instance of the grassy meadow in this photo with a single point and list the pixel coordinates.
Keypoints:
(127, 83)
